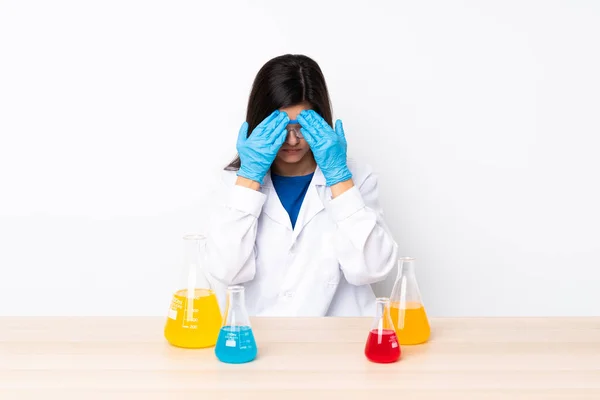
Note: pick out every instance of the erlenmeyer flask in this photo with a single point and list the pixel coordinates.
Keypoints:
(194, 317)
(382, 345)
(236, 342)
(406, 308)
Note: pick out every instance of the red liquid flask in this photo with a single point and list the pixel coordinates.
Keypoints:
(382, 344)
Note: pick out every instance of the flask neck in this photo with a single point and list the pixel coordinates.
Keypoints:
(236, 314)
(193, 276)
(381, 303)
(192, 249)
(406, 267)
(235, 297)
(382, 315)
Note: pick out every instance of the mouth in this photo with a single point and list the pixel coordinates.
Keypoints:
(291, 151)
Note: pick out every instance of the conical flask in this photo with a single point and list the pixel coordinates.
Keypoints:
(382, 344)
(194, 318)
(406, 307)
(236, 342)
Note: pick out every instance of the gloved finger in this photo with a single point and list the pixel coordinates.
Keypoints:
(243, 134)
(265, 123)
(308, 124)
(339, 129)
(311, 117)
(309, 137)
(274, 134)
(279, 138)
(323, 126)
(267, 132)
(318, 118)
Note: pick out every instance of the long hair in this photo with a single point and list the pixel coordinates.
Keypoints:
(282, 82)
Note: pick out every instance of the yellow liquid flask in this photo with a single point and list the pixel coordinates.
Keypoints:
(406, 308)
(194, 318)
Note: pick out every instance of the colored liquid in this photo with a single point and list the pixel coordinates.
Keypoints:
(236, 345)
(411, 324)
(195, 322)
(382, 346)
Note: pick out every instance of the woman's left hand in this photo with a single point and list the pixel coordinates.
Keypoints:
(328, 146)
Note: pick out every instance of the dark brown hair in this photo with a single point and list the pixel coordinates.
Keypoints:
(282, 82)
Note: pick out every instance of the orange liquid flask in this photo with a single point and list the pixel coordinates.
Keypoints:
(382, 345)
(194, 318)
(406, 308)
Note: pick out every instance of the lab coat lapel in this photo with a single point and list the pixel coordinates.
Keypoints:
(273, 207)
(312, 203)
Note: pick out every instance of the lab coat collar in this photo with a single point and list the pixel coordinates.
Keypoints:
(311, 205)
(317, 180)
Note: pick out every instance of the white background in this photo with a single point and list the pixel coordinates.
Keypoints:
(481, 117)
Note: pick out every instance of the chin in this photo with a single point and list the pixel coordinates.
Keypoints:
(291, 158)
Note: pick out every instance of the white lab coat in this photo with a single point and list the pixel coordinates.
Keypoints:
(322, 267)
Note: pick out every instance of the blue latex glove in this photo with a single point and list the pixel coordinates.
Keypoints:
(258, 151)
(328, 146)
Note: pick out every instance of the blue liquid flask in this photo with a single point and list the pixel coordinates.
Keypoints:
(236, 344)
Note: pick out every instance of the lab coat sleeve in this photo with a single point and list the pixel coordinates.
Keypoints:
(230, 246)
(363, 244)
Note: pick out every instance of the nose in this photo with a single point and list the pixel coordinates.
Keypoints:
(291, 139)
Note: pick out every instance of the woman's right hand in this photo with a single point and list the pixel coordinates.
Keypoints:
(258, 151)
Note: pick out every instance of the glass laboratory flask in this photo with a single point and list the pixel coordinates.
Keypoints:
(194, 318)
(236, 342)
(382, 344)
(406, 308)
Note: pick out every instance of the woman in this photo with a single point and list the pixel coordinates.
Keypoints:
(301, 227)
